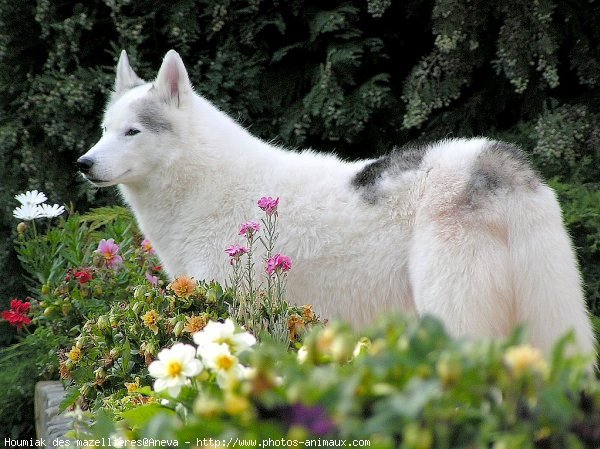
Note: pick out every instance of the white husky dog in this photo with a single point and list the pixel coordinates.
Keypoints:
(461, 229)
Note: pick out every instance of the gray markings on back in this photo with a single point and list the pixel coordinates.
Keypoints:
(393, 164)
(501, 166)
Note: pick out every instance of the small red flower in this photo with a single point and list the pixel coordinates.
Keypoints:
(17, 315)
(83, 276)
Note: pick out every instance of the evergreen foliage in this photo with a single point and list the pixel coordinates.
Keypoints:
(357, 77)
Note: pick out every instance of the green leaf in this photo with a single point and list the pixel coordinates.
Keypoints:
(70, 399)
(126, 354)
(141, 416)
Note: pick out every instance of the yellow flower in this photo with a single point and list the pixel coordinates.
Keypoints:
(308, 314)
(74, 354)
(150, 319)
(183, 286)
(524, 358)
(195, 323)
(133, 386)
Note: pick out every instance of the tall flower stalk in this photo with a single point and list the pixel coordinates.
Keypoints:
(269, 206)
(262, 309)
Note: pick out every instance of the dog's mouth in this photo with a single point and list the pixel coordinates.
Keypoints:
(102, 182)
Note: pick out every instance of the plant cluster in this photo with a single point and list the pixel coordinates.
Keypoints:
(264, 309)
(116, 347)
(70, 278)
(405, 383)
(98, 290)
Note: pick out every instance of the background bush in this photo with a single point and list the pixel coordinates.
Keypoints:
(357, 77)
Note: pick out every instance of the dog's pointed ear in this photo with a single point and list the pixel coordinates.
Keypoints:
(126, 77)
(172, 81)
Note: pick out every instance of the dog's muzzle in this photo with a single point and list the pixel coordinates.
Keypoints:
(85, 164)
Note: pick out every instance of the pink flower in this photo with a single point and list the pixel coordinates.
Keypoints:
(109, 250)
(152, 279)
(235, 252)
(278, 263)
(17, 315)
(147, 246)
(268, 204)
(249, 228)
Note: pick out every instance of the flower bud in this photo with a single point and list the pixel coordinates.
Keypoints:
(178, 330)
(45, 289)
(66, 308)
(103, 323)
(138, 293)
(49, 311)
(22, 227)
(85, 390)
(137, 307)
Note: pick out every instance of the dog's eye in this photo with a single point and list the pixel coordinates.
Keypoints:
(132, 132)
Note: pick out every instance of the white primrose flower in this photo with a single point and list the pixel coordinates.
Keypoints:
(224, 333)
(53, 211)
(32, 197)
(227, 367)
(27, 212)
(173, 367)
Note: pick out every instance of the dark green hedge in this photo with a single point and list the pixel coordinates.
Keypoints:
(357, 77)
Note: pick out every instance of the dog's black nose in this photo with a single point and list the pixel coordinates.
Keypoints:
(85, 164)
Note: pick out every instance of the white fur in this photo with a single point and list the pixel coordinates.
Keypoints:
(482, 270)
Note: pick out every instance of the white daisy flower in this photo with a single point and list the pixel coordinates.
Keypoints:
(53, 211)
(32, 197)
(224, 333)
(223, 363)
(173, 367)
(27, 212)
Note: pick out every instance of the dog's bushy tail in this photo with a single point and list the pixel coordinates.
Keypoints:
(547, 284)
(506, 261)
